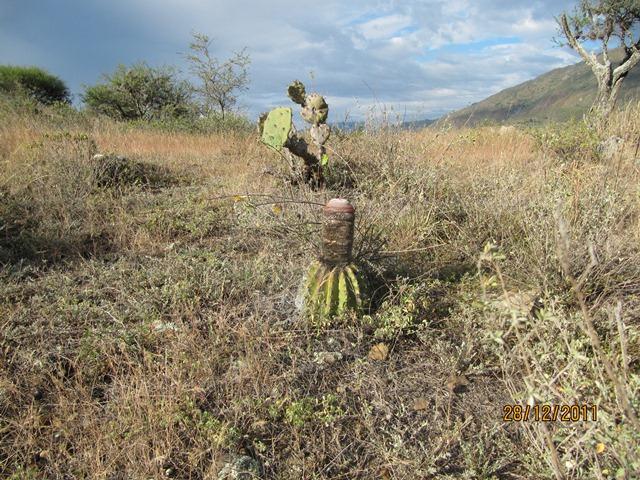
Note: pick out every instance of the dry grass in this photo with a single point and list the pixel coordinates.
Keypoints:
(149, 329)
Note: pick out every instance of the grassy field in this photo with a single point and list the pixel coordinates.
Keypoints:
(148, 319)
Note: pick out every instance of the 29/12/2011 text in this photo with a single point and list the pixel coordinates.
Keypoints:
(550, 413)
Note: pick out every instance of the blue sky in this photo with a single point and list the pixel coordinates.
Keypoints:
(416, 59)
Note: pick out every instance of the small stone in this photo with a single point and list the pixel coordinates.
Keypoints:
(326, 358)
(241, 468)
(379, 352)
(457, 383)
(610, 146)
(420, 403)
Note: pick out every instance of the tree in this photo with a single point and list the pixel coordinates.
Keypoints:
(140, 92)
(605, 21)
(34, 82)
(219, 81)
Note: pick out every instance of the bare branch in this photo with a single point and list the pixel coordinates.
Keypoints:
(625, 68)
(219, 81)
(590, 59)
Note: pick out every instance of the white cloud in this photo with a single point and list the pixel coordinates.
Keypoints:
(383, 27)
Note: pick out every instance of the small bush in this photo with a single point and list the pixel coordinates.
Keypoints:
(33, 82)
(140, 92)
(569, 141)
(114, 171)
(49, 209)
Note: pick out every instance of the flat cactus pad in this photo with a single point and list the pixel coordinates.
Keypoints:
(315, 109)
(276, 128)
(296, 92)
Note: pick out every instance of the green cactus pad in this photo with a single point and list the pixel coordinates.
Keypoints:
(296, 92)
(331, 291)
(315, 109)
(276, 128)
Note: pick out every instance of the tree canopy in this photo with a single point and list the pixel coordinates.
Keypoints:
(140, 92)
(219, 81)
(34, 82)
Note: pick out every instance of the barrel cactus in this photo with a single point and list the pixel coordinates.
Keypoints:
(332, 291)
(333, 284)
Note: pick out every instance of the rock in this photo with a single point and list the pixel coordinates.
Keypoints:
(420, 403)
(379, 352)
(609, 147)
(241, 467)
(160, 326)
(325, 359)
(457, 383)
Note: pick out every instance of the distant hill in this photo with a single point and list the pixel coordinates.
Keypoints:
(558, 95)
(351, 126)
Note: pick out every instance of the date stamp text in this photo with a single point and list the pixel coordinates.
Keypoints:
(550, 413)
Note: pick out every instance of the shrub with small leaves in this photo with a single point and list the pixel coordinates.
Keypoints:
(569, 141)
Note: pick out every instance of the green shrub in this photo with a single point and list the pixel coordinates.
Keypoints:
(140, 92)
(113, 171)
(569, 141)
(404, 312)
(33, 82)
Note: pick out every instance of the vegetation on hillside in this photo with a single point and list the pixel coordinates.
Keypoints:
(147, 299)
(559, 95)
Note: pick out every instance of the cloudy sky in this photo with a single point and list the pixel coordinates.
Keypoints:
(417, 59)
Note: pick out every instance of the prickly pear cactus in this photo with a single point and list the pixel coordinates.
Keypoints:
(276, 127)
(306, 159)
(315, 109)
(297, 92)
(331, 291)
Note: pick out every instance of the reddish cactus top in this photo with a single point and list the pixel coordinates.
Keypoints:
(338, 205)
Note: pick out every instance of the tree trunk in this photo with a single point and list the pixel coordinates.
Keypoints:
(604, 103)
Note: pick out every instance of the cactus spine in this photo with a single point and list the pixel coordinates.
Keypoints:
(333, 283)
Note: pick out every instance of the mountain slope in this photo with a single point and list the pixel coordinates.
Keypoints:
(556, 95)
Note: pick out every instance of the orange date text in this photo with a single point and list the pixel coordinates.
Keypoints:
(549, 413)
